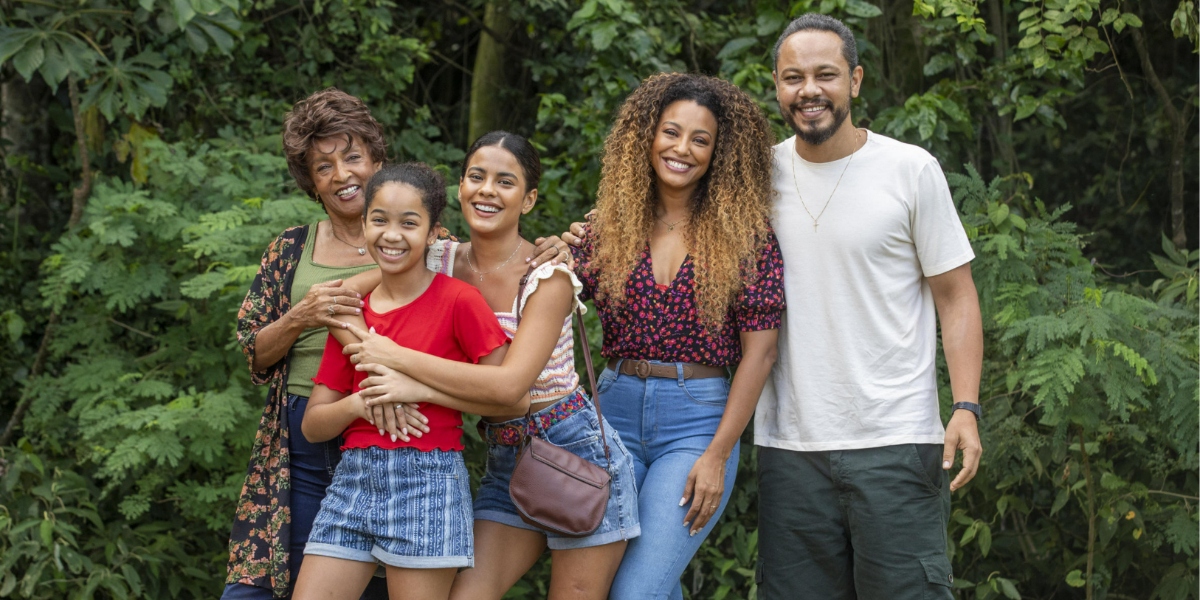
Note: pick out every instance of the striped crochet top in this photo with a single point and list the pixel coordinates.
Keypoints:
(559, 378)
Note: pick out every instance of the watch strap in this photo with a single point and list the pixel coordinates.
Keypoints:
(971, 406)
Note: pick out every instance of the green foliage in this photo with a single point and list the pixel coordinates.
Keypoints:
(124, 479)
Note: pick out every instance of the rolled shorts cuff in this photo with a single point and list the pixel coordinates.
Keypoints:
(379, 555)
(335, 551)
(561, 542)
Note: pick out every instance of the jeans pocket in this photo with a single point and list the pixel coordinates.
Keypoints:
(709, 391)
(604, 381)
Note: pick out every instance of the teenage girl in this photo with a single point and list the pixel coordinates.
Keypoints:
(402, 503)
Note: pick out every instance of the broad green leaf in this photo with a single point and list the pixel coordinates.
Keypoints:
(1008, 589)
(1075, 579)
(736, 45)
(1060, 501)
(184, 12)
(862, 9)
(28, 59)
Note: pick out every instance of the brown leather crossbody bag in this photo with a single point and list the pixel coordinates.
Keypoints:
(551, 487)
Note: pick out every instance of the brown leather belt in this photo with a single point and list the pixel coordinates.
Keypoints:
(644, 369)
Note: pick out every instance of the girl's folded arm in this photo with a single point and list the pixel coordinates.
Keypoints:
(329, 413)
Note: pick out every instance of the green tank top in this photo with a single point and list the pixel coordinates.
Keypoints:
(305, 355)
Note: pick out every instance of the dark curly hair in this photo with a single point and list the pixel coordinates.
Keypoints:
(327, 113)
(730, 210)
(428, 182)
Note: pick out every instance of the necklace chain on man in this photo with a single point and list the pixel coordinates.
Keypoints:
(493, 269)
(362, 250)
(816, 220)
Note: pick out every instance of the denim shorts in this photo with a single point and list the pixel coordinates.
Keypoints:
(402, 507)
(580, 434)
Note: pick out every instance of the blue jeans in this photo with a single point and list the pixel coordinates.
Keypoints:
(666, 424)
(312, 467)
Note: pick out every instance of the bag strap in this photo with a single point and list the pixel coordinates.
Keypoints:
(591, 372)
(587, 359)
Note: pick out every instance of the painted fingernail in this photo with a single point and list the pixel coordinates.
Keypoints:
(358, 311)
(682, 501)
(380, 432)
(533, 264)
(693, 533)
(946, 464)
(393, 437)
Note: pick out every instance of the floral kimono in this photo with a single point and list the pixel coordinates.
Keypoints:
(258, 544)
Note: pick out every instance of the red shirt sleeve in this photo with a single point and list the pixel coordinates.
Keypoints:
(336, 372)
(475, 327)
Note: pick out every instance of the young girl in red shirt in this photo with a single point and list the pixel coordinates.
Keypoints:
(404, 503)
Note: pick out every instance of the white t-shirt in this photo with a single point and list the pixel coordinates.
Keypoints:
(857, 365)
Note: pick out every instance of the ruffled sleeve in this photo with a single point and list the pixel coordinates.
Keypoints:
(440, 257)
(545, 271)
(761, 304)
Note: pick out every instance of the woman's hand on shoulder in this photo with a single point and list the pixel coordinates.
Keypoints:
(322, 302)
(552, 250)
(574, 235)
(371, 348)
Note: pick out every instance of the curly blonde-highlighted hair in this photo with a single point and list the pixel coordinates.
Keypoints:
(729, 211)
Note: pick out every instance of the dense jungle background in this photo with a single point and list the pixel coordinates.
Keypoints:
(142, 177)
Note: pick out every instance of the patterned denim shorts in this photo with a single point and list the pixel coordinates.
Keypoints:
(402, 507)
(578, 432)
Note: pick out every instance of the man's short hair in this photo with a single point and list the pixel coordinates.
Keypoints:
(811, 21)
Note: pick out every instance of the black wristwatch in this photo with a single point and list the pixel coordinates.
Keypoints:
(971, 406)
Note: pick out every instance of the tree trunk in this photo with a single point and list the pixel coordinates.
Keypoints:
(487, 77)
(1178, 131)
(1001, 125)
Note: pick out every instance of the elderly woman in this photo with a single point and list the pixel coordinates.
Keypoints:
(333, 146)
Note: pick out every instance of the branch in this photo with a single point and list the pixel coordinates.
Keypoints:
(1152, 77)
(80, 194)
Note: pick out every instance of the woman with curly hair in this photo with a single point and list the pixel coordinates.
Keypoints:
(688, 279)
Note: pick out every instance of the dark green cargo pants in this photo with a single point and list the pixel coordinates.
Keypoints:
(864, 524)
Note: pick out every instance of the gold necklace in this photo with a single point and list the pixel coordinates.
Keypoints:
(362, 250)
(671, 226)
(493, 269)
(816, 219)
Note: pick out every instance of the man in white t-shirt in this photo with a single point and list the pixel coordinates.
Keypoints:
(854, 491)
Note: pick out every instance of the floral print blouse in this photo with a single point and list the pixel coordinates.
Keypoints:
(662, 322)
(258, 544)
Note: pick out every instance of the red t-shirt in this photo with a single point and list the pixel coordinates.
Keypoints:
(451, 320)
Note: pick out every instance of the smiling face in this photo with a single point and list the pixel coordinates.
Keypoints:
(683, 146)
(340, 170)
(814, 84)
(492, 191)
(398, 228)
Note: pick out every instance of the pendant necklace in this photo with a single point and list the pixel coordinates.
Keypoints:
(493, 269)
(671, 226)
(362, 250)
(796, 181)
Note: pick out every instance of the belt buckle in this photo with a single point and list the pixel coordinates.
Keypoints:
(641, 368)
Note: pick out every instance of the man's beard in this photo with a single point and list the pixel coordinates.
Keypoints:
(816, 137)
